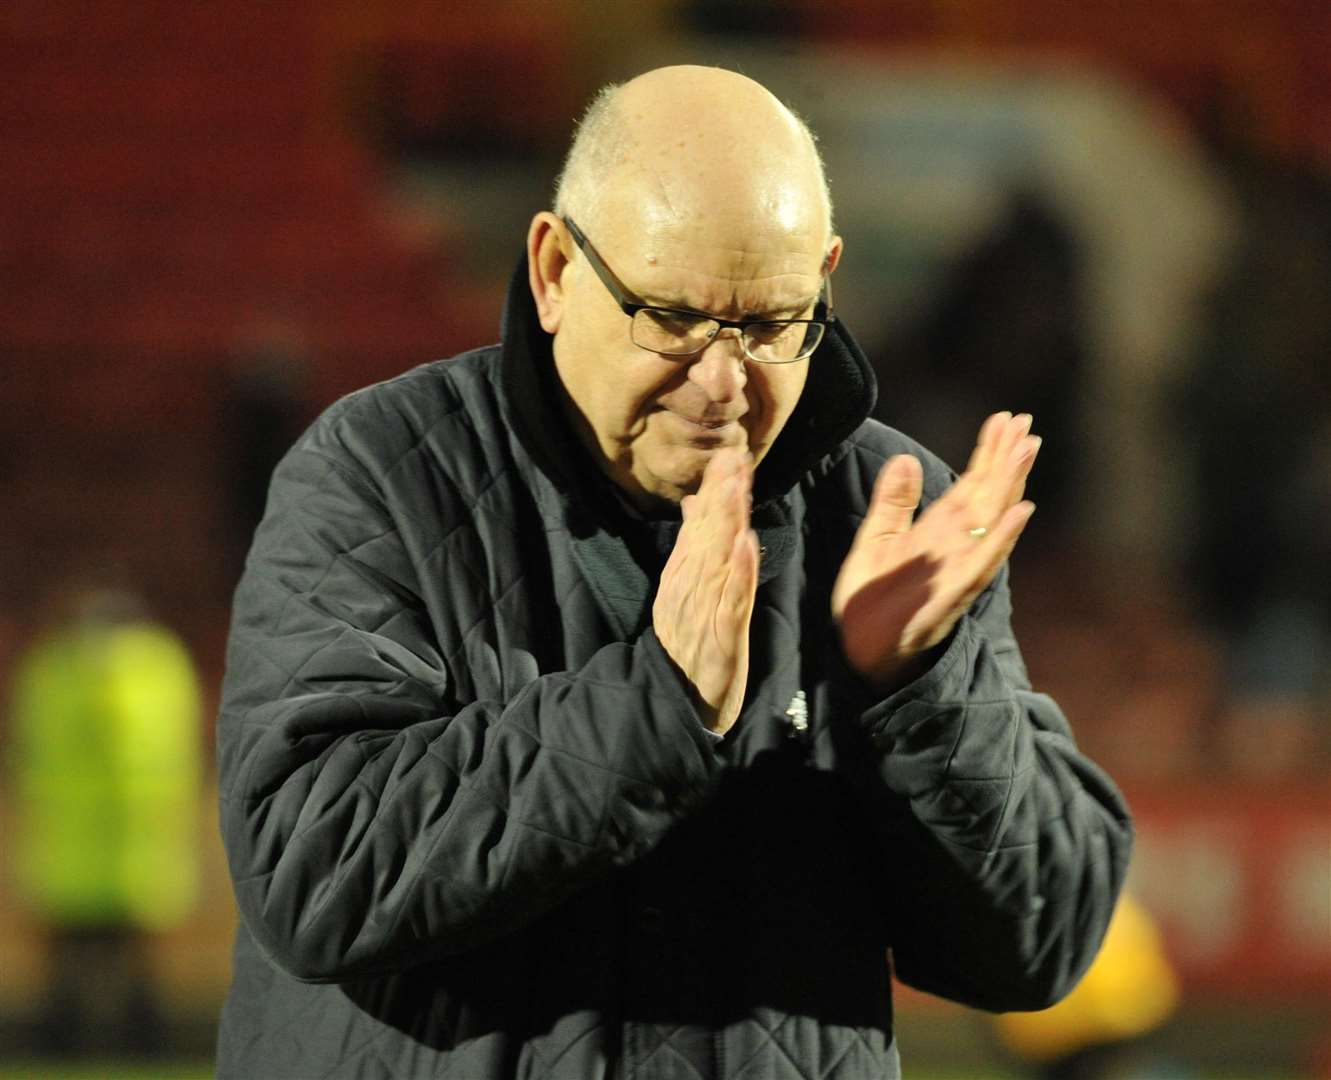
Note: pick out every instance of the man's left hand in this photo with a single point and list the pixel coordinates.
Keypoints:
(905, 583)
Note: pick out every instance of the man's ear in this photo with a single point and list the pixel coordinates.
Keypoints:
(833, 256)
(546, 263)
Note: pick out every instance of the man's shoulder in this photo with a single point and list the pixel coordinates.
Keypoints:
(849, 471)
(424, 394)
(378, 424)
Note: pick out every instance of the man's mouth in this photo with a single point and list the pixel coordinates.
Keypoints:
(705, 423)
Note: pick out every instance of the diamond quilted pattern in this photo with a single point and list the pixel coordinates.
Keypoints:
(456, 769)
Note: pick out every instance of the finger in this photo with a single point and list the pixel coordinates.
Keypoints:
(729, 519)
(736, 498)
(744, 486)
(718, 615)
(896, 495)
(735, 603)
(700, 508)
(985, 442)
(690, 547)
(726, 474)
(1022, 460)
(719, 514)
(996, 547)
(1001, 463)
(984, 500)
(1013, 432)
(992, 479)
(723, 464)
(733, 500)
(964, 576)
(714, 476)
(1007, 484)
(1007, 532)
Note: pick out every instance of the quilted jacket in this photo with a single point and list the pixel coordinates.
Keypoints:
(477, 831)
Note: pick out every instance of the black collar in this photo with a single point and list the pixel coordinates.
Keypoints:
(838, 396)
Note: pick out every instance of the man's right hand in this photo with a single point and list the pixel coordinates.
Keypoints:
(705, 598)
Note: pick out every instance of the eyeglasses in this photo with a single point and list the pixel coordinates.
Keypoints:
(673, 332)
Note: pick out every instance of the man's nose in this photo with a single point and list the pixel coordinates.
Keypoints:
(720, 368)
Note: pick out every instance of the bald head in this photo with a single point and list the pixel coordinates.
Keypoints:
(695, 144)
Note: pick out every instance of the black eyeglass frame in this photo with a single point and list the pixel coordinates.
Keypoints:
(630, 305)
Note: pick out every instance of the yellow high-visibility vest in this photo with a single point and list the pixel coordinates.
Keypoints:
(106, 762)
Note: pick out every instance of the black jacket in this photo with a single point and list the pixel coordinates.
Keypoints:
(476, 829)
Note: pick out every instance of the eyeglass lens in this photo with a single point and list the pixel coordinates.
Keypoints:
(677, 334)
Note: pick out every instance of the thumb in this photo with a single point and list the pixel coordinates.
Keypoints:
(896, 494)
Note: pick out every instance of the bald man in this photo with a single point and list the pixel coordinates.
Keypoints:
(618, 700)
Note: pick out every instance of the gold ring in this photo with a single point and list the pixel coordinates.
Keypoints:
(977, 533)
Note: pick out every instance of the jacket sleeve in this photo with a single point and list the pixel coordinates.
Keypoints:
(374, 818)
(1008, 846)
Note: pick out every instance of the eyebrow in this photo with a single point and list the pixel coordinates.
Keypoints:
(676, 303)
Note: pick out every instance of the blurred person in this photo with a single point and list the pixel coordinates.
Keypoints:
(105, 758)
(1256, 415)
(1005, 327)
(610, 701)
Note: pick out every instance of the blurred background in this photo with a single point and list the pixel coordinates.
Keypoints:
(217, 217)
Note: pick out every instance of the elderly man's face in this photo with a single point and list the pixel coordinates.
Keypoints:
(655, 420)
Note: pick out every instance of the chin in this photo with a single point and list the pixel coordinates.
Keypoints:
(675, 489)
(668, 477)
(667, 486)
(685, 473)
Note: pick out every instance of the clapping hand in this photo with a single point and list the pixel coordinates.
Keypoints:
(906, 582)
(705, 599)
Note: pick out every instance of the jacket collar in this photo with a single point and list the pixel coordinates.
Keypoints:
(838, 396)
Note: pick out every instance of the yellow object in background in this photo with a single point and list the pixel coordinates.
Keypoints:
(1129, 990)
(106, 763)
